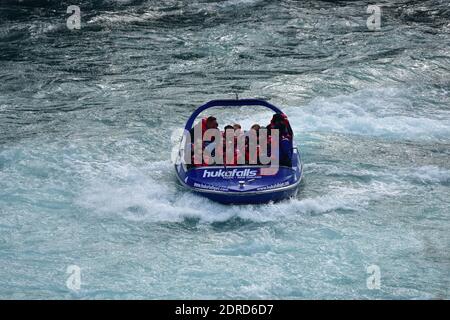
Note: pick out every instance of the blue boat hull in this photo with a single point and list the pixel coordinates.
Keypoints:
(243, 184)
(274, 196)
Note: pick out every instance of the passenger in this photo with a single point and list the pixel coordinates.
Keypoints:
(253, 133)
(229, 143)
(281, 123)
(227, 138)
(256, 127)
(286, 152)
(230, 130)
(211, 123)
(237, 129)
(205, 123)
(269, 141)
(227, 127)
(239, 136)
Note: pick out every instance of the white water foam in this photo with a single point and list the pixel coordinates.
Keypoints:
(381, 112)
(430, 175)
(120, 17)
(423, 174)
(133, 194)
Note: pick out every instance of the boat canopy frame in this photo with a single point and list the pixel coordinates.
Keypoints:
(229, 103)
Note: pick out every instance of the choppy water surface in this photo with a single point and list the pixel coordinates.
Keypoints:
(85, 124)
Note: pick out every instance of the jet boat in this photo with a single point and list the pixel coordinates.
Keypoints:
(238, 184)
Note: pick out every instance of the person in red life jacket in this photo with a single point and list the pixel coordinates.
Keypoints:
(281, 123)
(227, 127)
(239, 150)
(272, 144)
(205, 124)
(252, 156)
(256, 127)
(229, 144)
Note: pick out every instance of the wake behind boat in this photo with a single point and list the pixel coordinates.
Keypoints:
(256, 166)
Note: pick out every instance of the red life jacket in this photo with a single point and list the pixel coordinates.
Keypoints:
(289, 134)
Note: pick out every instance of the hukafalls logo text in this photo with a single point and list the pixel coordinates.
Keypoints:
(229, 174)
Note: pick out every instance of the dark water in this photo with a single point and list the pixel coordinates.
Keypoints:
(86, 118)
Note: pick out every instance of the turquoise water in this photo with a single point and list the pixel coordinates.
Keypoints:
(86, 179)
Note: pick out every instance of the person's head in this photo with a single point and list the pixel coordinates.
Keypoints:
(278, 122)
(255, 127)
(237, 129)
(229, 137)
(211, 123)
(254, 132)
(277, 119)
